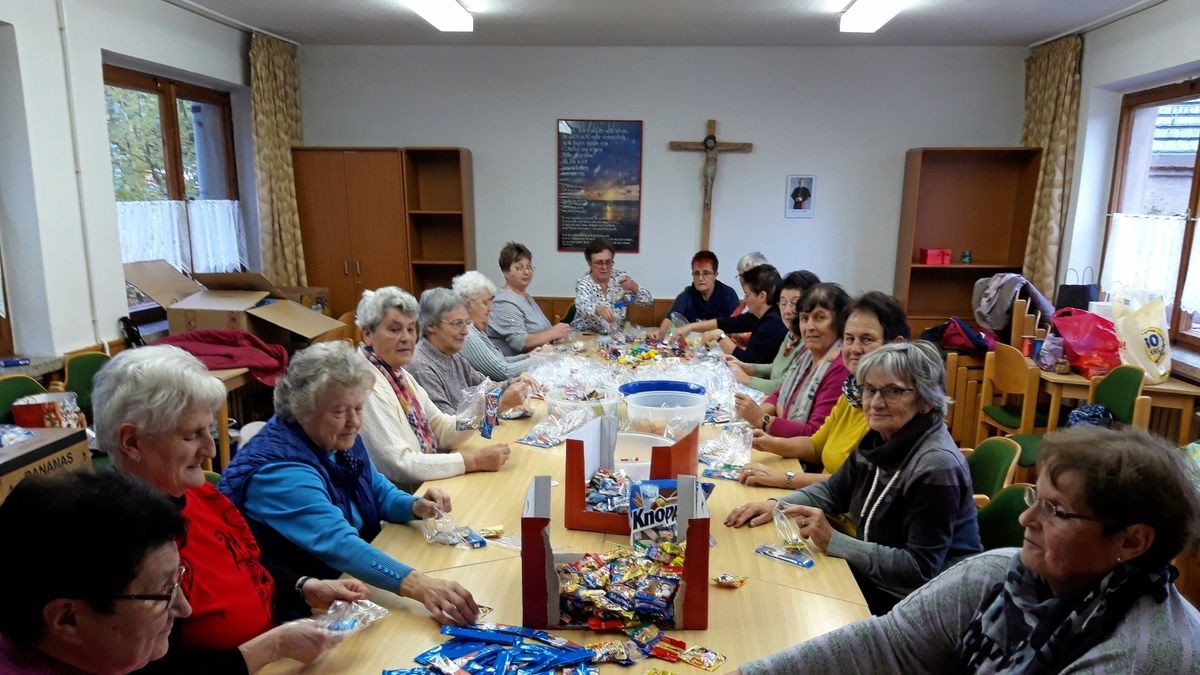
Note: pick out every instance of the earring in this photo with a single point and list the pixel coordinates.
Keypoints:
(1119, 559)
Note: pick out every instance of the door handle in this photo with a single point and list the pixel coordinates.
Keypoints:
(358, 268)
(346, 267)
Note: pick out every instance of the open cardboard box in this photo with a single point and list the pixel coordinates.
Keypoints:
(539, 580)
(228, 300)
(592, 447)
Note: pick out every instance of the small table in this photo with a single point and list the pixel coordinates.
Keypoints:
(1174, 394)
(233, 379)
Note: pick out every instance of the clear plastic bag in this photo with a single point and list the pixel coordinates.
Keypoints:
(472, 406)
(442, 529)
(551, 431)
(732, 447)
(350, 617)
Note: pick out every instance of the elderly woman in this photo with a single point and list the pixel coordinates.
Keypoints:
(436, 362)
(409, 439)
(154, 407)
(479, 292)
(760, 286)
(94, 574)
(308, 488)
(766, 377)
(1090, 591)
(603, 293)
(517, 324)
(872, 320)
(906, 486)
(813, 382)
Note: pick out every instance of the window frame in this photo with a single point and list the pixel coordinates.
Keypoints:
(1130, 103)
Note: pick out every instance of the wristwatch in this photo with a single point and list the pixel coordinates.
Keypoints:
(787, 478)
(766, 425)
(721, 336)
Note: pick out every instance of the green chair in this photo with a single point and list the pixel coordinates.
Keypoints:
(998, 524)
(1121, 392)
(570, 315)
(13, 387)
(80, 370)
(992, 465)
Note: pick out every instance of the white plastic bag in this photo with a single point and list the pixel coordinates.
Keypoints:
(1142, 329)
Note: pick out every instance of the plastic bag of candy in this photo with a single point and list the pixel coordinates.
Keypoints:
(473, 405)
(731, 447)
(443, 529)
(551, 431)
(786, 527)
(348, 617)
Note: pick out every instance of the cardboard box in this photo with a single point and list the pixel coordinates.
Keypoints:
(592, 447)
(315, 298)
(51, 450)
(243, 300)
(539, 580)
(934, 256)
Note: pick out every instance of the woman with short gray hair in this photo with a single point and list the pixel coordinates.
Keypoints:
(906, 487)
(478, 291)
(312, 496)
(436, 362)
(408, 437)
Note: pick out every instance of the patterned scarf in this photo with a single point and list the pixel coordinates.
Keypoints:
(408, 401)
(1021, 627)
(797, 392)
(852, 393)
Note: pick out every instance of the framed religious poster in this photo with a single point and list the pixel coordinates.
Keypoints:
(800, 191)
(599, 183)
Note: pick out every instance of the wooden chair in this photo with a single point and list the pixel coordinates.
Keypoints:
(13, 387)
(1025, 324)
(1007, 373)
(349, 331)
(999, 526)
(992, 464)
(964, 377)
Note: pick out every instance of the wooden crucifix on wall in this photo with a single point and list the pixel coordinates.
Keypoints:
(710, 147)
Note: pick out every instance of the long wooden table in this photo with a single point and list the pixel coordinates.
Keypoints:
(1174, 394)
(779, 606)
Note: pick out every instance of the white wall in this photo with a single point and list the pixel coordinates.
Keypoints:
(50, 298)
(846, 115)
(1154, 47)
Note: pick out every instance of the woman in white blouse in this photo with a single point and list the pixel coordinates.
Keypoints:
(408, 438)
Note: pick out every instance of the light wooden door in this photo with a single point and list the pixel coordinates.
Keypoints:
(325, 223)
(375, 198)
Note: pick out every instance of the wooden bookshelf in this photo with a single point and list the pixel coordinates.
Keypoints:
(440, 216)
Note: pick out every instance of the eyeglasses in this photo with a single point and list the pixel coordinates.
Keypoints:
(602, 263)
(1048, 508)
(167, 598)
(889, 394)
(460, 324)
(522, 268)
(697, 274)
(789, 303)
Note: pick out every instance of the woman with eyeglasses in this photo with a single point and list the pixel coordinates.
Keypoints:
(517, 324)
(707, 297)
(154, 409)
(906, 486)
(766, 377)
(409, 439)
(436, 362)
(1091, 590)
(603, 293)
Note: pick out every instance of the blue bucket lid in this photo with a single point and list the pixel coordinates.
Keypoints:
(660, 385)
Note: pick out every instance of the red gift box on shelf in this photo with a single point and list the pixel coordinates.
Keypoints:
(592, 447)
(539, 579)
(934, 256)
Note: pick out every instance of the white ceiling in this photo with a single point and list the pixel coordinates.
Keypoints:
(671, 22)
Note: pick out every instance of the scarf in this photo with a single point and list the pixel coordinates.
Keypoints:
(891, 454)
(408, 401)
(798, 391)
(1021, 628)
(852, 393)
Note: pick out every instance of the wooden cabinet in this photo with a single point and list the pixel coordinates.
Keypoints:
(352, 219)
(979, 199)
(440, 217)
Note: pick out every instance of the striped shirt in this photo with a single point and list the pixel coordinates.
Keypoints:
(514, 317)
(487, 359)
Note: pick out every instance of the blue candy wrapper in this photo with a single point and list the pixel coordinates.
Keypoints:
(482, 635)
(491, 413)
(800, 558)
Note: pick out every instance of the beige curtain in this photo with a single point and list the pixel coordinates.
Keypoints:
(275, 101)
(1051, 118)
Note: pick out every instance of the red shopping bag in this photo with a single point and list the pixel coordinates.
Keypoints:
(1089, 340)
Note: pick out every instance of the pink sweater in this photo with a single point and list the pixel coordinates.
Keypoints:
(826, 398)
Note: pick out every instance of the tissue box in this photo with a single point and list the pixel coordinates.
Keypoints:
(934, 256)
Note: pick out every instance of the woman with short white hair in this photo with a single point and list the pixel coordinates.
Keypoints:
(478, 291)
(409, 438)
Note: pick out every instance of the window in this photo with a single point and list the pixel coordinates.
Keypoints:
(174, 178)
(1150, 242)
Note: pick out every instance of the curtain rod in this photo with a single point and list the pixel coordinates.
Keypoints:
(214, 15)
(1102, 22)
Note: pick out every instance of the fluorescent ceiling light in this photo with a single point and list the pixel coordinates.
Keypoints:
(868, 16)
(445, 15)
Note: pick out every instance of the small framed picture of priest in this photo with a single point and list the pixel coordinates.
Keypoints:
(799, 196)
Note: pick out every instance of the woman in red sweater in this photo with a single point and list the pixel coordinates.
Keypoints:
(154, 407)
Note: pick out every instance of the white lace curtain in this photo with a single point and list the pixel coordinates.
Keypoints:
(193, 236)
(1143, 253)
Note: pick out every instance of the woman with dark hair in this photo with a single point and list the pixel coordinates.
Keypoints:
(760, 286)
(93, 573)
(766, 377)
(603, 293)
(517, 324)
(872, 320)
(812, 384)
(1091, 591)
(906, 486)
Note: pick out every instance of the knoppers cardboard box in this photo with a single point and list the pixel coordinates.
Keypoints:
(243, 300)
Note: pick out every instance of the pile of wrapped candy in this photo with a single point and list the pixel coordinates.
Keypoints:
(621, 588)
(608, 492)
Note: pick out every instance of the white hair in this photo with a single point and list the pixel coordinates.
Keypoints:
(751, 259)
(918, 361)
(150, 388)
(435, 302)
(472, 285)
(375, 304)
(313, 370)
